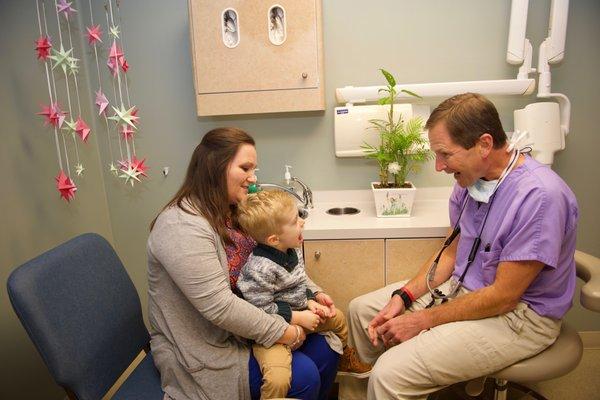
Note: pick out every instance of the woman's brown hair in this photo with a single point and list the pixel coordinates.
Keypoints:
(205, 184)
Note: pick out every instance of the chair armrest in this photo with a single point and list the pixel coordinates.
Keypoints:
(588, 269)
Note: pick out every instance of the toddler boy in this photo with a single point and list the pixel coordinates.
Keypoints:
(274, 280)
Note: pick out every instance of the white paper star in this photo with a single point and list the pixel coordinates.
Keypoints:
(129, 175)
(114, 169)
(79, 169)
(114, 31)
(123, 116)
(61, 57)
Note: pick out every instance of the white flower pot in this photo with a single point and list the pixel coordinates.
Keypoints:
(394, 202)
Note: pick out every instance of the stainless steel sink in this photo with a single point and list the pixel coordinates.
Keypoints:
(343, 211)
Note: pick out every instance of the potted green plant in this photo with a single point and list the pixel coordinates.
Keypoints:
(401, 150)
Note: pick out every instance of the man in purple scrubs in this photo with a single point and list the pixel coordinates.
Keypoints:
(504, 282)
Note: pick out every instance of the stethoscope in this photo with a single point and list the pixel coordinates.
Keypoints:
(455, 285)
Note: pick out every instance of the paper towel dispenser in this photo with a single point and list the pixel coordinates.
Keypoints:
(352, 127)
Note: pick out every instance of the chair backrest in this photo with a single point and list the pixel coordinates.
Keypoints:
(82, 312)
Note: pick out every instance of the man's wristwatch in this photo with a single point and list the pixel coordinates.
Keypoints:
(406, 298)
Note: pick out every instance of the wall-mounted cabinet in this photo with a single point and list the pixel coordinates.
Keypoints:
(257, 56)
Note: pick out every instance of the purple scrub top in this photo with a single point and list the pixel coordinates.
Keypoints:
(533, 217)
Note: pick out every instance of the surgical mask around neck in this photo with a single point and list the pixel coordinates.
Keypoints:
(482, 190)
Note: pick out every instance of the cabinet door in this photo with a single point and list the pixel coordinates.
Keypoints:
(345, 268)
(404, 257)
(255, 64)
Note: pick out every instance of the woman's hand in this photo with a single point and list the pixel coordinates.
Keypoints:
(301, 338)
(293, 337)
(324, 299)
(306, 319)
(393, 308)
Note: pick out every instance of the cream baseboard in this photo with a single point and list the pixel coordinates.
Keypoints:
(590, 339)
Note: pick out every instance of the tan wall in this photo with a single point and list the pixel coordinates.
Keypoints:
(425, 41)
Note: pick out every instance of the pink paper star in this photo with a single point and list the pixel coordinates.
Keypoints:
(115, 58)
(126, 132)
(124, 64)
(54, 115)
(65, 7)
(139, 166)
(82, 129)
(101, 102)
(42, 46)
(65, 186)
(134, 116)
(94, 34)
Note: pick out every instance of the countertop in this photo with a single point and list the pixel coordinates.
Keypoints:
(429, 216)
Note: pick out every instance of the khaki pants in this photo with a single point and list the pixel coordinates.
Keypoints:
(448, 353)
(276, 361)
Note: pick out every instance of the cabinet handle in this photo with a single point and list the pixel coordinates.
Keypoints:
(317, 255)
(304, 75)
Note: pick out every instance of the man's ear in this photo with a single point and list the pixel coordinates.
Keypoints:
(485, 144)
(272, 240)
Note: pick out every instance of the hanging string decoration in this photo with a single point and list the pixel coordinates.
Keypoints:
(61, 65)
(124, 123)
(61, 68)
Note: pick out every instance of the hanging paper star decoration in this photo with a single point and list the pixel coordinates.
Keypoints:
(123, 116)
(69, 126)
(54, 115)
(61, 57)
(134, 116)
(126, 132)
(139, 165)
(115, 58)
(113, 169)
(65, 186)
(132, 170)
(62, 6)
(94, 34)
(72, 65)
(130, 174)
(42, 46)
(124, 64)
(79, 169)
(114, 31)
(101, 102)
(82, 129)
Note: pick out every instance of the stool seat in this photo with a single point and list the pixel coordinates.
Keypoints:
(557, 360)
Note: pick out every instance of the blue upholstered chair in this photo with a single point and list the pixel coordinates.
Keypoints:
(82, 312)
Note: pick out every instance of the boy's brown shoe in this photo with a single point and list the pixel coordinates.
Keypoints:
(350, 364)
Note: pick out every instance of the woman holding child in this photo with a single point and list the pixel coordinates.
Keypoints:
(200, 325)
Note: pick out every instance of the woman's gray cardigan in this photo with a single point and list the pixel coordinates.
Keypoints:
(196, 322)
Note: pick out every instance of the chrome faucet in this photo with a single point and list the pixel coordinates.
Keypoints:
(306, 199)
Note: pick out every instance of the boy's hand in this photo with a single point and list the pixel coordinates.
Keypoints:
(306, 319)
(319, 309)
(327, 301)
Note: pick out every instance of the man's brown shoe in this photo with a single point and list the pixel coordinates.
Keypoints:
(350, 364)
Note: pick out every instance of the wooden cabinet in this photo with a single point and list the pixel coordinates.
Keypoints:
(256, 74)
(404, 257)
(345, 268)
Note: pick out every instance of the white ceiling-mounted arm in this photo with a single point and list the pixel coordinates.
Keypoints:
(519, 50)
(515, 51)
(552, 51)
